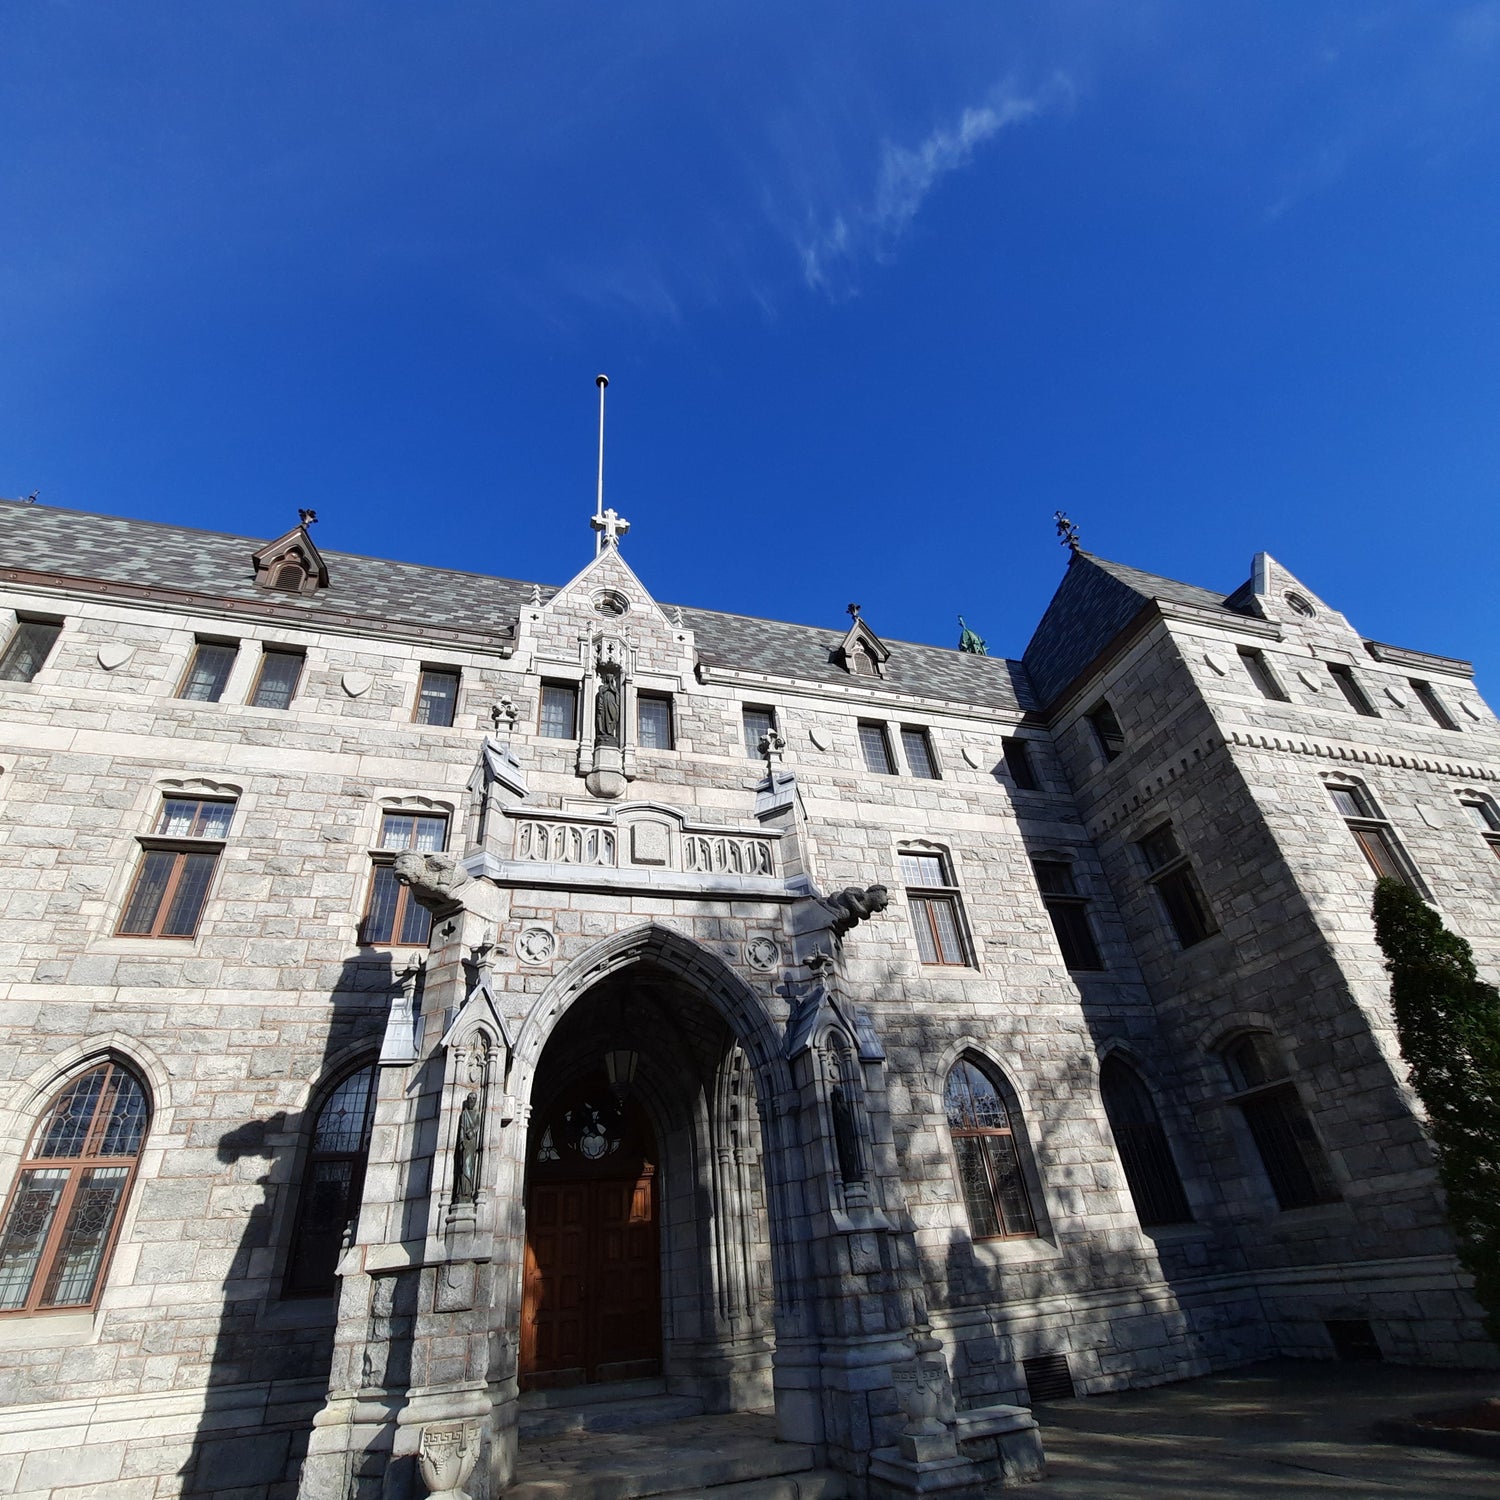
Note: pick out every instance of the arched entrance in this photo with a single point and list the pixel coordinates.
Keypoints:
(591, 1295)
(647, 1244)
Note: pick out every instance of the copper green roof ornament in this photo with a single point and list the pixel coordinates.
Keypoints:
(968, 641)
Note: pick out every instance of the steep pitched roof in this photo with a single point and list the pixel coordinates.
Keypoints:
(153, 555)
(1095, 601)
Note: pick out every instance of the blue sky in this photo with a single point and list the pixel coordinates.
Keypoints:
(878, 286)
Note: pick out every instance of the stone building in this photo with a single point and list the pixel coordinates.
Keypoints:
(429, 998)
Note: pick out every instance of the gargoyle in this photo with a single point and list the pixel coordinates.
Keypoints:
(433, 879)
(849, 907)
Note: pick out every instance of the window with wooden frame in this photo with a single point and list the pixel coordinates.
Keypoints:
(29, 647)
(1437, 710)
(1107, 730)
(653, 721)
(1258, 670)
(392, 917)
(178, 860)
(276, 680)
(333, 1182)
(1372, 833)
(875, 746)
(936, 911)
(1278, 1122)
(1482, 811)
(208, 672)
(916, 746)
(1354, 694)
(70, 1193)
(757, 723)
(1069, 911)
(988, 1157)
(1177, 887)
(1150, 1172)
(557, 712)
(437, 697)
(1019, 763)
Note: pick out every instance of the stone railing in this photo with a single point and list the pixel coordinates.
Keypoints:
(565, 843)
(726, 854)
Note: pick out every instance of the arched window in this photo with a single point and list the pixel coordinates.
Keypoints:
(70, 1193)
(332, 1184)
(1272, 1107)
(1142, 1144)
(989, 1161)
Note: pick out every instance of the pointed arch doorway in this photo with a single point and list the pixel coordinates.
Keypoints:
(591, 1303)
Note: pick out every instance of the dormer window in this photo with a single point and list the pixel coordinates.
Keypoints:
(291, 564)
(861, 652)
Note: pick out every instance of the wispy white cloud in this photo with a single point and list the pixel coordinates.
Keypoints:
(832, 251)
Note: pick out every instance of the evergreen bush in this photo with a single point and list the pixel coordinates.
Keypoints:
(1448, 1024)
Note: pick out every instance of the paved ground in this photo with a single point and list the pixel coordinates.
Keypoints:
(1280, 1431)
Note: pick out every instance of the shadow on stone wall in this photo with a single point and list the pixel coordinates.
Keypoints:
(269, 1368)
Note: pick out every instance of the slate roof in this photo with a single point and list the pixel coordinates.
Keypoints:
(154, 555)
(1095, 601)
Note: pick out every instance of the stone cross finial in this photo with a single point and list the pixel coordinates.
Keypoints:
(536, 593)
(505, 713)
(772, 748)
(1067, 532)
(610, 526)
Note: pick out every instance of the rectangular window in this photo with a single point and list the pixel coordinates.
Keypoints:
(1258, 669)
(917, 748)
(1107, 731)
(1487, 819)
(1371, 832)
(933, 900)
(876, 747)
(757, 724)
(276, 682)
(1018, 763)
(1354, 694)
(653, 721)
(558, 718)
(391, 916)
(28, 650)
(437, 697)
(170, 888)
(208, 672)
(1181, 896)
(1069, 913)
(1428, 698)
(1290, 1152)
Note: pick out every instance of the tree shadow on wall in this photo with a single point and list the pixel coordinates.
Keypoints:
(268, 1373)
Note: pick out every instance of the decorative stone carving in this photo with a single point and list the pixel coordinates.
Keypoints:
(820, 738)
(504, 715)
(565, 843)
(535, 945)
(763, 954)
(972, 757)
(607, 696)
(726, 854)
(650, 844)
(446, 1455)
(849, 907)
(922, 1391)
(114, 654)
(1215, 664)
(433, 879)
(356, 684)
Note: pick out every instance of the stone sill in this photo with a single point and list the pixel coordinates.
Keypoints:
(47, 1331)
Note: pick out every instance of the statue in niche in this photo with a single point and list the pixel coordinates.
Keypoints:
(607, 695)
(466, 1152)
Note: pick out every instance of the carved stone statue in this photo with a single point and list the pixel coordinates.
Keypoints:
(607, 705)
(466, 1152)
(849, 907)
(433, 879)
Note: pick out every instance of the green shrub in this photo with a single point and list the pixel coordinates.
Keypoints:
(1448, 1023)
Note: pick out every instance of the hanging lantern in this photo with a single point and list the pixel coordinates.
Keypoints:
(620, 1066)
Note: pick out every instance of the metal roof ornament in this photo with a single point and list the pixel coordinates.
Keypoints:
(969, 641)
(608, 525)
(1067, 532)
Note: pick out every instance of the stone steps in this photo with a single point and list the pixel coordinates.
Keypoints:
(646, 1410)
(730, 1457)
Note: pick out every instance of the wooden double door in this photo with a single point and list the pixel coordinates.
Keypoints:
(591, 1295)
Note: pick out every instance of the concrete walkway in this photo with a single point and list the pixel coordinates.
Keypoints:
(1278, 1431)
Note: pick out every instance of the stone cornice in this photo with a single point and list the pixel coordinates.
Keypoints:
(1358, 755)
(1399, 656)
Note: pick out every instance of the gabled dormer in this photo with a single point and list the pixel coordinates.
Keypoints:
(861, 653)
(292, 563)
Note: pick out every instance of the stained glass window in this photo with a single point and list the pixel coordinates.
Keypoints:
(332, 1184)
(989, 1161)
(65, 1208)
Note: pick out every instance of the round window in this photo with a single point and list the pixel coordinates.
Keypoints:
(1300, 605)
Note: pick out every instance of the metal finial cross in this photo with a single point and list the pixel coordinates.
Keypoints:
(307, 517)
(1067, 532)
(852, 610)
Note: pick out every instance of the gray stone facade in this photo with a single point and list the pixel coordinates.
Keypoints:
(815, 1248)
